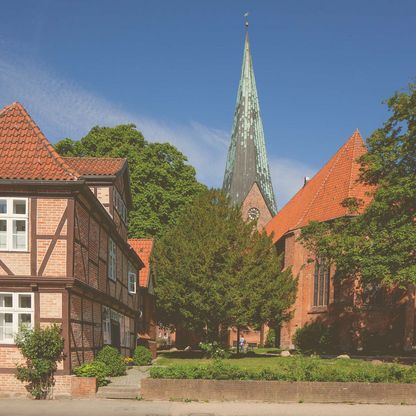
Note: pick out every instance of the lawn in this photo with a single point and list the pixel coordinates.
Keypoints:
(193, 365)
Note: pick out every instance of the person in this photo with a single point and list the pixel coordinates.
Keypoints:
(242, 343)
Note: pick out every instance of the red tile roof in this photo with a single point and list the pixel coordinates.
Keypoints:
(96, 166)
(143, 247)
(320, 199)
(25, 153)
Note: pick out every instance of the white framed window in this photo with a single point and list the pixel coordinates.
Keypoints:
(13, 224)
(131, 279)
(112, 260)
(16, 311)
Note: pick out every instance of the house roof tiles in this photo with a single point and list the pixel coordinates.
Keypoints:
(25, 152)
(96, 166)
(320, 199)
(143, 247)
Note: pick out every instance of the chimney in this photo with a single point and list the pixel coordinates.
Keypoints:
(306, 179)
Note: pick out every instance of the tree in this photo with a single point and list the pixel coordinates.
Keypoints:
(214, 271)
(162, 181)
(380, 244)
(43, 349)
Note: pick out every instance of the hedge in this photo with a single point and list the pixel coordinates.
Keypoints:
(293, 369)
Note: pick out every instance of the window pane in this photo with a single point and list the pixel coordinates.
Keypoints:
(6, 326)
(19, 234)
(25, 320)
(25, 301)
(3, 234)
(3, 206)
(6, 301)
(19, 207)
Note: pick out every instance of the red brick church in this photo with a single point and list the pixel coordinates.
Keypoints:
(363, 315)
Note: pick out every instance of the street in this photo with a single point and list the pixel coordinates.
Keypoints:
(23, 407)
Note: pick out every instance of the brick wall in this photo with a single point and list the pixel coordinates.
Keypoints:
(345, 310)
(65, 385)
(254, 199)
(50, 217)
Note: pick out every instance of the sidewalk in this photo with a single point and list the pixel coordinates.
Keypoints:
(10, 407)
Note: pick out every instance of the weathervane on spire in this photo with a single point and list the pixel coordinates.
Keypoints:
(246, 16)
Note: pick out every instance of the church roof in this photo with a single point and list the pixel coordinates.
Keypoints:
(247, 160)
(25, 152)
(320, 199)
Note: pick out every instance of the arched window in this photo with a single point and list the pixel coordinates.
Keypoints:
(321, 283)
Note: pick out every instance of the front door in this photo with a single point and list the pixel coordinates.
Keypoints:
(115, 334)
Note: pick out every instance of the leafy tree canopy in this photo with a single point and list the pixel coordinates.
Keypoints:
(162, 181)
(380, 244)
(215, 270)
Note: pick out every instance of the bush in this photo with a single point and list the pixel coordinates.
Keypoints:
(95, 369)
(142, 356)
(315, 337)
(214, 350)
(113, 360)
(270, 339)
(294, 369)
(43, 349)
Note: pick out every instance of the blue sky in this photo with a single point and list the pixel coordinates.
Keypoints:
(322, 68)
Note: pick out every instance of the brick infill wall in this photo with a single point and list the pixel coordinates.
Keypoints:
(65, 386)
(278, 391)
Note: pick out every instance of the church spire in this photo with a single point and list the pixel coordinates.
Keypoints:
(247, 160)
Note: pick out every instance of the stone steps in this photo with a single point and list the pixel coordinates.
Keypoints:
(118, 391)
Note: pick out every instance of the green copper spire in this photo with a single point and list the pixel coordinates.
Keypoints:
(247, 160)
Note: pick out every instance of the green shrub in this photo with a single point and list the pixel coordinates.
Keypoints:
(293, 369)
(43, 349)
(315, 337)
(214, 350)
(113, 360)
(95, 369)
(270, 339)
(142, 356)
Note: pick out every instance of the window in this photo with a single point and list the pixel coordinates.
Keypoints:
(132, 278)
(321, 283)
(112, 260)
(16, 311)
(119, 205)
(13, 224)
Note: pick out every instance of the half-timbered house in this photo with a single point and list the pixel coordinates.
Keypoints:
(64, 254)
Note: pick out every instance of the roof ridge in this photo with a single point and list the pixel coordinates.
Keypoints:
(339, 152)
(43, 141)
(94, 157)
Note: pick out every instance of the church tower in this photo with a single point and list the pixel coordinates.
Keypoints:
(247, 176)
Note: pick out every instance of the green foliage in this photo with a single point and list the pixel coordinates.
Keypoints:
(43, 349)
(271, 338)
(161, 180)
(142, 356)
(95, 369)
(294, 368)
(215, 270)
(214, 350)
(315, 337)
(379, 245)
(113, 360)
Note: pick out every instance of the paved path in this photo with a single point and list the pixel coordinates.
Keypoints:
(124, 387)
(22, 407)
